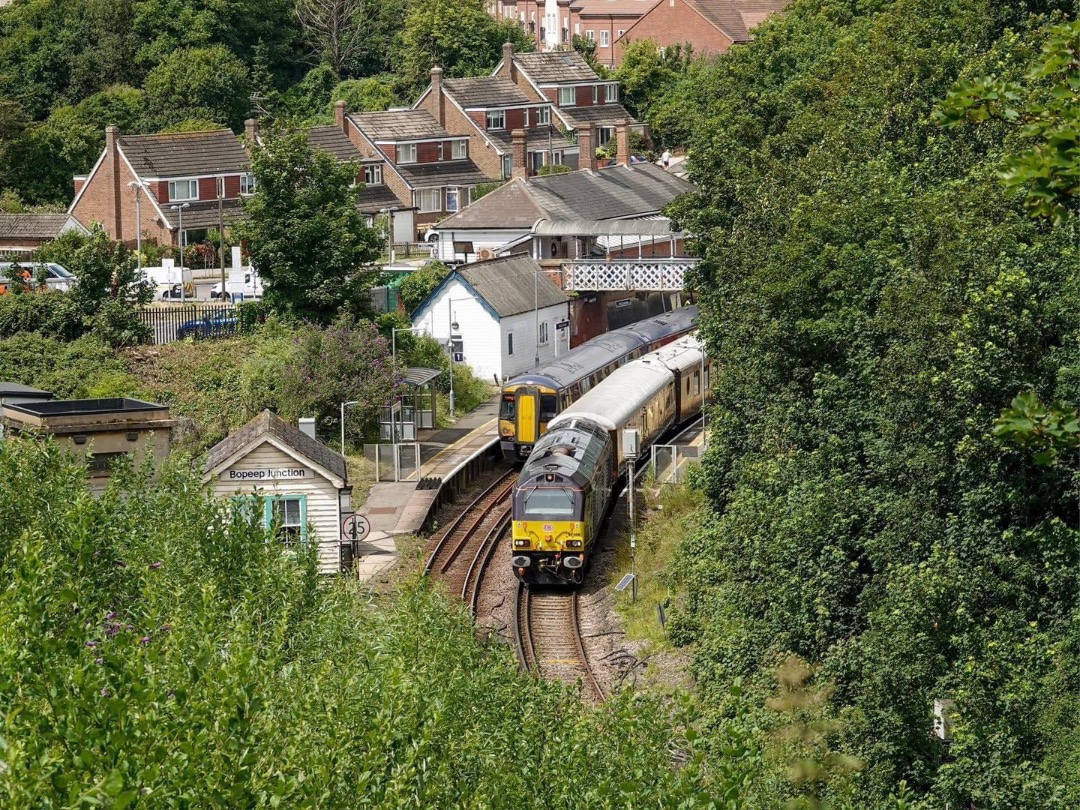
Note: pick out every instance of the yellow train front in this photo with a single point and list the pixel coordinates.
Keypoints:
(560, 500)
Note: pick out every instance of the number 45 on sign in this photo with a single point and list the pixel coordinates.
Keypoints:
(355, 528)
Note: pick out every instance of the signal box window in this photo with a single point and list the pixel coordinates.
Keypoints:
(287, 516)
(510, 344)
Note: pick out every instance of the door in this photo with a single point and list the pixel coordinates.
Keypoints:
(527, 412)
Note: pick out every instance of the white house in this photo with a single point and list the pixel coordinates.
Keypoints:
(303, 483)
(506, 316)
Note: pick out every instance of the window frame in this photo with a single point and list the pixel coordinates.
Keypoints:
(192, 183)
(459, 146)
(456, 192)
(268, 516)
(406, 147)
(596, 94)
(544, 335)
(420, 202)
(611, 93)
(496, 115)
(562, 96)
(247, 184)
(219, 186)
(373, 174)
(605, 40)
(509, 344)
(543, 116)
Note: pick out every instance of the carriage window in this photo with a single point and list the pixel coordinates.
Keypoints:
(506, 411)
(545, 503)
(697, 383)
(708, 370)
(549, 407)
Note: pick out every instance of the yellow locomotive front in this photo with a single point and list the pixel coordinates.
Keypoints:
(524, 410)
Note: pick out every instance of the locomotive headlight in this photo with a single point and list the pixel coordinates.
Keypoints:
(573, 544)
(521, 544)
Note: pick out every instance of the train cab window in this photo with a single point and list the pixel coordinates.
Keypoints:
(549, 503)
(506, 409)
(549, 407)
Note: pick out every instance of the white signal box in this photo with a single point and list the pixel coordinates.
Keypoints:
(630, 442)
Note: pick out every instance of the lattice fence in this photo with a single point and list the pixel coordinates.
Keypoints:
(642, 275)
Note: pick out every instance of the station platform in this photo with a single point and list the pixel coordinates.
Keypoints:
(401, 507)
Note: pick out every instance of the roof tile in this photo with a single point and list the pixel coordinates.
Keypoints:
(185, 154)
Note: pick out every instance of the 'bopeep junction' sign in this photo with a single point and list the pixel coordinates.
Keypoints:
(265, 474)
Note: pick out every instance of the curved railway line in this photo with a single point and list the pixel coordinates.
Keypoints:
(547, 630)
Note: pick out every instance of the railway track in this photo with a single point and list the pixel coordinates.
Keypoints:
(465, 547)
(547, 631)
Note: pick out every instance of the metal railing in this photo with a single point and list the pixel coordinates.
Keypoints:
(668, 462)
(199, 321)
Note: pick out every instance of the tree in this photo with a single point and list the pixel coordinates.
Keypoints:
(364, 95)
(647, 73)
(419, 284)
(334, 29)
(587, 48)
(200, 83)
(304, 232)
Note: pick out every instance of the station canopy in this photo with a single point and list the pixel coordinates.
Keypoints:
(659, 227)
(418, 376)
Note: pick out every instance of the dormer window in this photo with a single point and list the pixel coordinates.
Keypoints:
(180, 190)
(247, 184)
(543, 116)
(496, 119)
(567, 96)
(612, 93)
(220, 188)
(373, 174)
(460, 150)
(407, 153)
(596, 94)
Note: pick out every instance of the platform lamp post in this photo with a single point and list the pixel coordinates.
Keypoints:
(345, 405)
(139, 186)
(180, 235)
(389, 231)
(454, 326)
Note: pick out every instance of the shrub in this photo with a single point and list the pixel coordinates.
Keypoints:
(53, 313)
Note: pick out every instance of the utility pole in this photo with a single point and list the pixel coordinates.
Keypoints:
(221, 236)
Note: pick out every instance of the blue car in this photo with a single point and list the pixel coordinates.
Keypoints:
(207, 327)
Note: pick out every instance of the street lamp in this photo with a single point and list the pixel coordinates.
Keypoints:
(138, 185)
(345, 405)
(454, 326)
(180, 229)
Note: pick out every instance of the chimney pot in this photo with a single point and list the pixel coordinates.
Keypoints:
(251, 130)
(520, 167)
(586, 149)
(339, 115)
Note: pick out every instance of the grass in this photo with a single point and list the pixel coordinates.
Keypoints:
(665, 517)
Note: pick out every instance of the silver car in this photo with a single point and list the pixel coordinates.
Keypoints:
(57, 276)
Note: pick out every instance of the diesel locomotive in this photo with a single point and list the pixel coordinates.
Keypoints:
(567, 486)
(530, 401)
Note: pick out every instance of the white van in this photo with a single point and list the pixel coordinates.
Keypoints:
(239, 283)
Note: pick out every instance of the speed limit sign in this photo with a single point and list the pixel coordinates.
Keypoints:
(355, 528)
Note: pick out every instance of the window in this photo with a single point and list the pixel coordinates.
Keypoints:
(510, 345)
(183, 190)
(247, 184)
(595, 94)
(460, 150)
(697, 383)
(496, 119)
(621, 32)
(549, 502)
(567, 96)
(526, 124)
(406, 153)
(549, 407)
(557, 156)
(537, 161)
(612, 94)
(452, 199)
(604, 42)
(605, 134)
(577, 29)
(373, 174)
(544, 333)
(429, 200)
(101, 463)
(508, 407)
(507, 162)
(220, 188)
(287, 515)
(543, 116)
(442, 150)
(589, 35)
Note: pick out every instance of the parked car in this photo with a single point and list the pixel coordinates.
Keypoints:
(172, 293)
(57, 277)
(207, 327)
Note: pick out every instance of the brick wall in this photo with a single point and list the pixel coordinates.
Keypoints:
(674, 23)
(457, 123)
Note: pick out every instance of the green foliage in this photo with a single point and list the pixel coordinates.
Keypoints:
(364, 95)
(158, 645)
(877, 300)
(209, 84)
(553, 168)
(1048, 430)
(483, 189)
(647, 74)
(587, 48)
(69, 370)
(419, 284)
(304, 232)
(54, 314)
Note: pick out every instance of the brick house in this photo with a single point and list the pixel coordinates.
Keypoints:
(22, 234)
(580, 99)
(196, 169)
(510, 134)
(605, 22)
(710, 26)
(424, 166)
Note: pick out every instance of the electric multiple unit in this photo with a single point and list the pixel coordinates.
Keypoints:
(567, 485)
(531, 400)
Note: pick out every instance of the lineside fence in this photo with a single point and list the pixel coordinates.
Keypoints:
(201, 321)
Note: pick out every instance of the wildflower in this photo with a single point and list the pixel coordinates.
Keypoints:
(105, 691)
(155, 566)
(99, 661)
(91, 644)
(112, 630)
(110, 615)
(145, 640)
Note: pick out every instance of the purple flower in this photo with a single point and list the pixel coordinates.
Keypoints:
(129, 628)
(105, 691)
(155, 566)
(145, 640)
(112, 630)
(91, 644)
(99, 661)
(110, 615)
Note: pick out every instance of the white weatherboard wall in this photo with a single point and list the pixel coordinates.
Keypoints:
(481, 240)
(484, 339)
(321, 495)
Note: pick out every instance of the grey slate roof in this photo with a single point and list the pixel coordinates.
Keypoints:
(14, 389)
(618, 192)
(32, 226)
(486, 91)
(602, 114)
(271, 425)
(537, 139)
(185, 154)
(204, 214)
(507, 284)
(736, 17)
(333, 140)
(372, 199)
(555, 67)
(443, 173)
(399, 125)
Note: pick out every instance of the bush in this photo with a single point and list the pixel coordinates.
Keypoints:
(53, 313)
(68, 370)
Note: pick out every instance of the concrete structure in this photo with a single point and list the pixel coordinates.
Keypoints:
(22, 234)
(508, 312)
(15, 394)
(303, 484)
(186, 168)
(106, 429)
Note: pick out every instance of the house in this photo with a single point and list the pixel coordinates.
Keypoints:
(504, 316)
(22, 234)
(172, 188)
(605, 22)
(107, 429)
(302, 483)
(581, 100)
(552, 24)
(424, 166)
(710, 26)
(510, 133)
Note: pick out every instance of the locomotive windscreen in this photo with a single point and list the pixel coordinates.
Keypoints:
(548, 503)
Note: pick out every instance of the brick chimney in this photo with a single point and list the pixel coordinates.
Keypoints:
(507, 70)
(586, 149)
(520, 165)
(339, 116)
(112, 166)
(251, 131)
(437, 97)
(622, 142)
